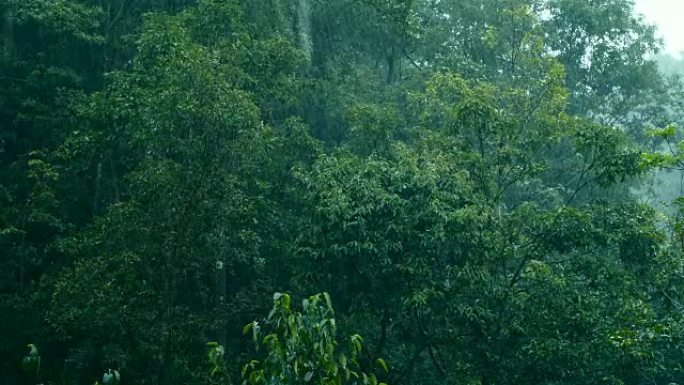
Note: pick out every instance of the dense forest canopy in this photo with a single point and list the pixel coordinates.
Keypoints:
(466, 180)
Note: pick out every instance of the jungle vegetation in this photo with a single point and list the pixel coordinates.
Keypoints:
(466, 181)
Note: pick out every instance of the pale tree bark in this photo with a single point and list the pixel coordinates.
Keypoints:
(8, 34)
(304, 26)
(98, 188)
(221, 297)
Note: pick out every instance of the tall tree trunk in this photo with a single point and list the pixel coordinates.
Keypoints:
(391, 65)
(98, 188)
(304, 27)
(221, 275)
(8, 34)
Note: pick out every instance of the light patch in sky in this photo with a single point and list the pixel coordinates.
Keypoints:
(668, 16)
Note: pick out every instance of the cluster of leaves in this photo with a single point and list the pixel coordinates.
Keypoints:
(303, 348)
(31, 365)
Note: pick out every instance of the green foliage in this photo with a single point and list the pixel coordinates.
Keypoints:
(31, 362)
(302, 347)
(78, 20)
(216, 356)
(111, 377)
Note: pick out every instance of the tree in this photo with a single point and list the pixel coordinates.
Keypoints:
(456, 239)
(178, 237)
(303, 348)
